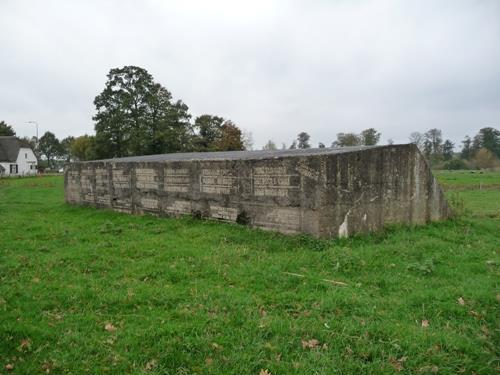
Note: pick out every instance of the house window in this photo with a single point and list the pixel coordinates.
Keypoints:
(13, 169)
(26, 155)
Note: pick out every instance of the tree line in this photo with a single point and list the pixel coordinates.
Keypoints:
(481, 151)
(135, 115)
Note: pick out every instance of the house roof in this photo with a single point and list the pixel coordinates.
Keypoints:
(9, 149)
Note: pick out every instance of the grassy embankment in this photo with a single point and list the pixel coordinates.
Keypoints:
(86, 291)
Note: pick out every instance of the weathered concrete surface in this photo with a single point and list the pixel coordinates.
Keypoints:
(325, 192)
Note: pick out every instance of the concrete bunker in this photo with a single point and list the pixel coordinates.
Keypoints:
(331, 192)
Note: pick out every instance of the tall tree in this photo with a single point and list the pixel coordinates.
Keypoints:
(121, 110)
(270, 146)
(370, 137)
(466, 152)
(136, 115)
(231, 138)
(427, 148)
(293, 146)
(321, 145)
(303, 140)
(417, 139)
(488, 138)
(50, 147)
(209, 131)
(171, 132)
(82, 148)
(448, 147)
(347, 139)
(435, 137)
(6, 130)
(66, 148)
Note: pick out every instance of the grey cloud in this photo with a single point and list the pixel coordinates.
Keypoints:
(274, 67)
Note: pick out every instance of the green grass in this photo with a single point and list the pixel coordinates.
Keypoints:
(475, 192)
(184, 296)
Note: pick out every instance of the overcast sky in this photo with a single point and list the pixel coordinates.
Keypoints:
(273, 67)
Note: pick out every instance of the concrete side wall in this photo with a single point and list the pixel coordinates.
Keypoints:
(381, 186)
(325, 195)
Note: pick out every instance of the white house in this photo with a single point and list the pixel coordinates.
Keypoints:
(16, 159)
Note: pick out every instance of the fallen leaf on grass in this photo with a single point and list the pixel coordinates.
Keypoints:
(425, 323)
(485, 330)
(216, 346)
(24, 345)
(475, 314)
(396, 364)
(264, 372)
(9, 367)
(310, 344)
(262, 312)
(47, 366)
(110, 327)
(150, 365)
(461, 301)
(209, 361)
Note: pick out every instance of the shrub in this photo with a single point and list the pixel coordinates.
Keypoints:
(455, 164)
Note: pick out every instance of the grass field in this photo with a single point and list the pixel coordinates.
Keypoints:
(93, 291)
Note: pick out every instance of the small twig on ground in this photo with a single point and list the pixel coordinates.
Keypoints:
(293, 274)
(334, 282)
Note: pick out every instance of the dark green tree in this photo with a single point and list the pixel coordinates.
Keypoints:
(435, 139)
(50, 147)
(66, 148)
(172, 132)
(347, 139)
(122, 111)
(136, 116)
(303, 140)
(6, 130)
(83, 147)
(448, 147)
(488, 138)
(321, 145)
(427, 148)
(466, 152)
(208, 130)
(370, 137)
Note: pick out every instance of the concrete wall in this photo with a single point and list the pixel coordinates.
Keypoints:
(331, 194)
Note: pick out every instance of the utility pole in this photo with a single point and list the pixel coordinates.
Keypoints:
(36, 124)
